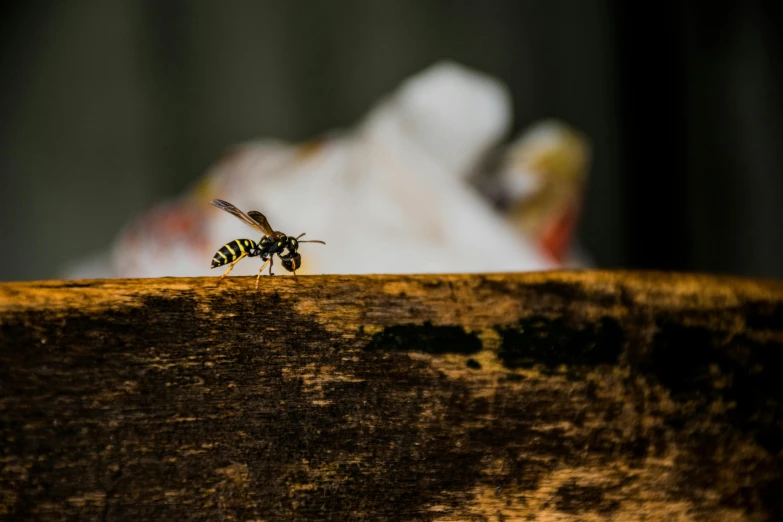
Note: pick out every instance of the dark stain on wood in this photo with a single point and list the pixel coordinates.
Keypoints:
(762, 315)
(508, 397)
(473, 364)
(552, 342)
(425, 338)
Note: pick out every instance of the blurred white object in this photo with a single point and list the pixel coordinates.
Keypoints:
(388, 197)
(453, 114)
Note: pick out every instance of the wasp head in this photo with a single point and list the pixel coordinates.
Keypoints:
(292, 261)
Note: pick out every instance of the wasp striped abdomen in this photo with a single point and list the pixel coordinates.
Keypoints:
(232, 251)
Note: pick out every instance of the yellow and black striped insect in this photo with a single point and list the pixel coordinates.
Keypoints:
(271, 243)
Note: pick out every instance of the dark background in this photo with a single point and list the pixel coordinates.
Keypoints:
(107, 107)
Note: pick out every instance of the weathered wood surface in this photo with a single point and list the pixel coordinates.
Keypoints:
(587, 396)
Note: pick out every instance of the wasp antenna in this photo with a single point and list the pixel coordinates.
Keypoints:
(300, 235)
(313, 241)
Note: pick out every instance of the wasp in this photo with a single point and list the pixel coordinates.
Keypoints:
(271, 243)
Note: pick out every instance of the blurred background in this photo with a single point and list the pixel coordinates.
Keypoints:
(109, 107)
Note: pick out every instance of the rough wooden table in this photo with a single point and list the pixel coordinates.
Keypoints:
(553, 396)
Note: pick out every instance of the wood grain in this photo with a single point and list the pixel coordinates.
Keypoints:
(553, 396)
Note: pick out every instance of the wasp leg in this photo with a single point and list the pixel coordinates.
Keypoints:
(231, 267)
(258, 277)
(293, 265)
(271, 262)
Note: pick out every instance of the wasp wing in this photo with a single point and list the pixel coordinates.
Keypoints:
(264, 227)
(259, 218)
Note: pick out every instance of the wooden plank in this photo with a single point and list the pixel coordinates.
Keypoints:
(550, 396)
